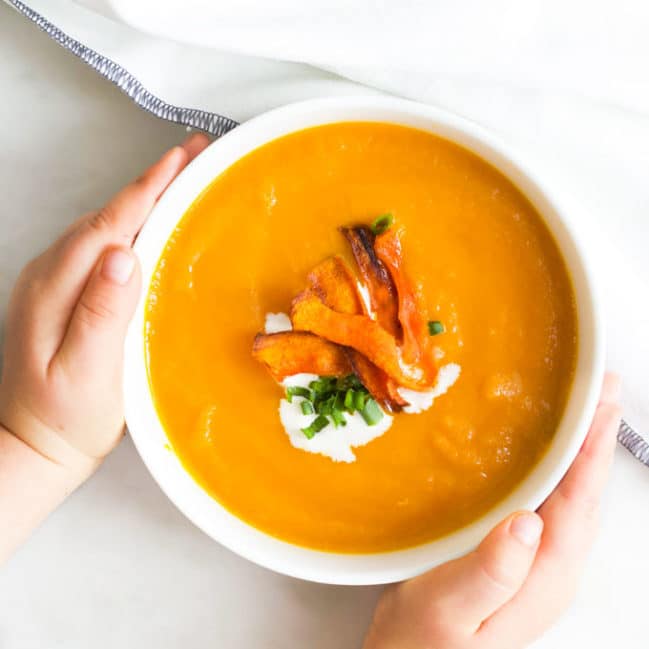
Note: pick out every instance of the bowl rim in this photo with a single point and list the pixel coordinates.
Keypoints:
(358, 569)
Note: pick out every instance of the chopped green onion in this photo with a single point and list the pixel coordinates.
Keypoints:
(359, 400)
(372, 413)
(325, 407)
(307, 408)
(297, 391)
(435, 327)
(382, 223)
(315, 426)
(350, 382)
(323, 384)
(329, 398)
(338, 418)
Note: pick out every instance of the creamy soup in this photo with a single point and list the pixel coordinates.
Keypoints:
(486, 267)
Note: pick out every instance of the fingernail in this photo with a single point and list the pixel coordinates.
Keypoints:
(118, 266)
(527, 528)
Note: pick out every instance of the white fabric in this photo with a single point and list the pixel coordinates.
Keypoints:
(564, 81)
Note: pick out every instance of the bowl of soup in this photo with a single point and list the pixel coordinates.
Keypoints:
(367, 333)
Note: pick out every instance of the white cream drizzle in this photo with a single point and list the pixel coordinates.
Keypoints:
(276, 323)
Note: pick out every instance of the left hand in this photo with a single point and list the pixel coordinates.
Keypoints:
(61, 389)
(521, 577)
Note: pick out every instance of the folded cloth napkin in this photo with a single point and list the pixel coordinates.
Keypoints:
(564, 82)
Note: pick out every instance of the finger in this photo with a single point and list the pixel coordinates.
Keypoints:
(578, 494)
(95, 337)
(195, 144)
(611, 388)
(157, 177)
(63, 271)
(471, 588)
(570, 518)
(119, 221)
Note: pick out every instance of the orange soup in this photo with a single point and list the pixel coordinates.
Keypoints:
(489, 270)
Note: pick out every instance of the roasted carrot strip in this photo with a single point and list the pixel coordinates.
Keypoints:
(383, 295)
(309, 313)
(377, 382)
(294, 352)
(416, 346)
(334, 283)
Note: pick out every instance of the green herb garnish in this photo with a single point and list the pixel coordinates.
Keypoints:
(315, 426)
(307, 408)
(338, 418)
(296, 391)
(435, 327)
(382, 224)
(330, 398)
(349, 400)
(359, 399)
(323, 384)
(372, 413)
(325, 407)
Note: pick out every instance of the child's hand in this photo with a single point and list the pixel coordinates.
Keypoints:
(61, 390)
(513, 587)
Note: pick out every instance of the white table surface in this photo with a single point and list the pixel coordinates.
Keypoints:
(117, 565)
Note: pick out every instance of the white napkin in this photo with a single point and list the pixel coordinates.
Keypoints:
(564, 82)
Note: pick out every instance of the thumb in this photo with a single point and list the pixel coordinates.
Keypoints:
(473, 587)
(95, 334)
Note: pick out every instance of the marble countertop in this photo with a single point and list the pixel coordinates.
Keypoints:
(117, 565)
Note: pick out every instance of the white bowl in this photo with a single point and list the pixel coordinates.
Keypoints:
(151, 440)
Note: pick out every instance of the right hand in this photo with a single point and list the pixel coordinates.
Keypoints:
(522, 576)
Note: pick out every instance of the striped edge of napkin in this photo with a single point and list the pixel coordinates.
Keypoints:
(212, 123)
(633, 442)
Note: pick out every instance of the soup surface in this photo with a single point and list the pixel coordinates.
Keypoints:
(490, 271)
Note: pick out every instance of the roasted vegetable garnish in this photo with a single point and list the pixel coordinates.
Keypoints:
(295, 352)
(416, 344)
(383, 295)
(378, 383)
(385, 345)
(333, 281)
(309, 313)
